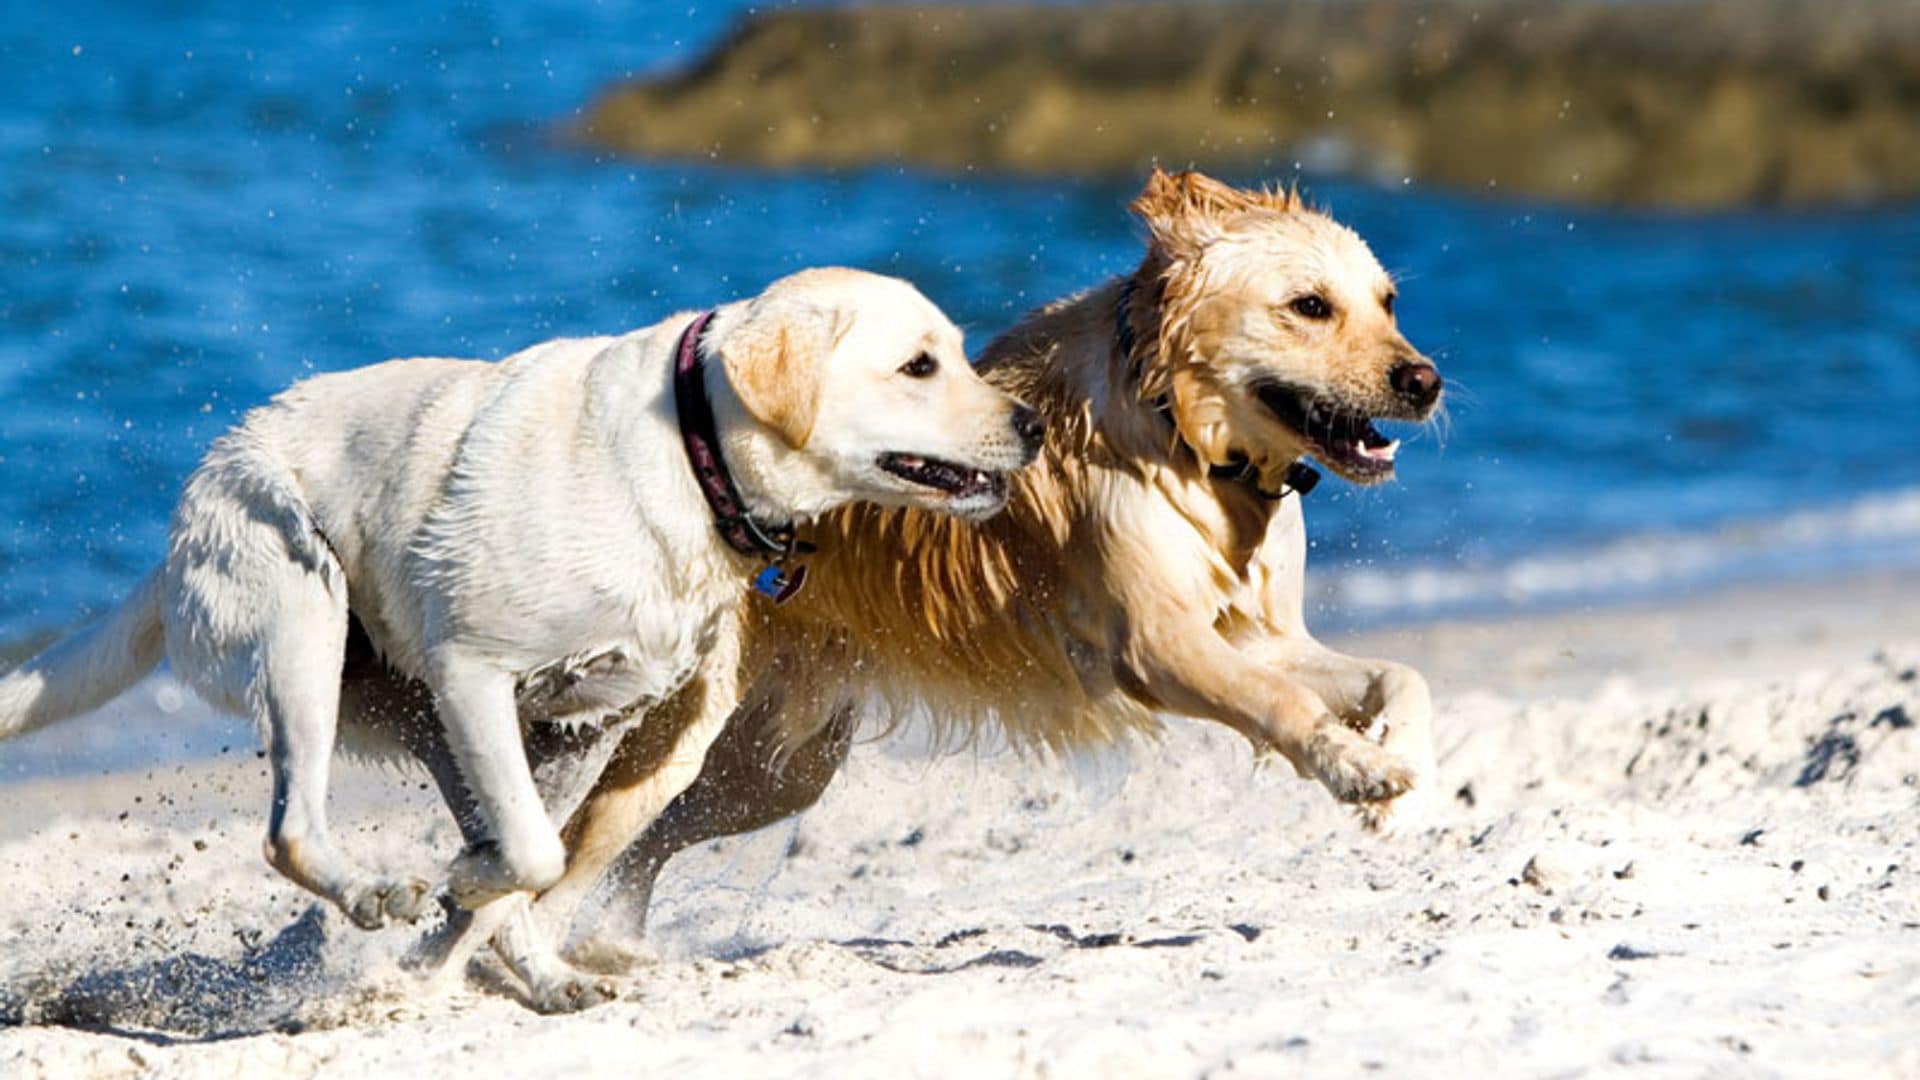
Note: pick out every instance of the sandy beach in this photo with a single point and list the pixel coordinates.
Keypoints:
(1679, 836)
(1659, 557)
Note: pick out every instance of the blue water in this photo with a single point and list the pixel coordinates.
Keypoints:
(206, 201)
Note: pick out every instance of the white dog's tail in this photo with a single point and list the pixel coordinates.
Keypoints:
(88, 669)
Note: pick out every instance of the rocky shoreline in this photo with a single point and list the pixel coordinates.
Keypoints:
(1677, 103)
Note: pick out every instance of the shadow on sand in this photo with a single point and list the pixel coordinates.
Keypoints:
(190, 997)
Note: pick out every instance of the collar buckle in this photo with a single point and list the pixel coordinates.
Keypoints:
(1301, 479)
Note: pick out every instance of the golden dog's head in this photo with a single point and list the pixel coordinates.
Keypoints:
(1276, 331)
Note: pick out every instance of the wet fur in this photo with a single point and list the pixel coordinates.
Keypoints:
(985, 626)
(487, 563)
(1124, 580)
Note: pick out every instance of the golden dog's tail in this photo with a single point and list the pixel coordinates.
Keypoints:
(87, 670)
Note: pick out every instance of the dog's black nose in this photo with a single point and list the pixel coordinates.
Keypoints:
(1417, 381)
(1028, 425)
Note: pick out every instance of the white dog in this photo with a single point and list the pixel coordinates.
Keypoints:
(563, 536)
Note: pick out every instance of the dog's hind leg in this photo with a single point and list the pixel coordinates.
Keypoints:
(400, 711)
(746, 784)
(283, 647)
(656, 760)
(655, 763)
(257, 624)
(295, 698)
(560, 759)
(564, 762)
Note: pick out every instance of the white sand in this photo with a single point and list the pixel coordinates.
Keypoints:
(1687, 837)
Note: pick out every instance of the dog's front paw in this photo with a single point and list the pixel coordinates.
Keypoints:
(378, 903)
(1354, 769)
(571, 993)
(1406, 813)
(1408, 737)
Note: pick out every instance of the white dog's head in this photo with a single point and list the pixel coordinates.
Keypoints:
(864, 386)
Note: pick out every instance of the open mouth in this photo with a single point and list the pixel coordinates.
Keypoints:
(1344, 440)
(957, 481)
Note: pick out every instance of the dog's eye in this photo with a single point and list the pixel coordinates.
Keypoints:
(1312, 306)
(920, 366)
(1387, 301)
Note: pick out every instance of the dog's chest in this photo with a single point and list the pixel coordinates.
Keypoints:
(638, 647)
(592, 684)
(604, 680)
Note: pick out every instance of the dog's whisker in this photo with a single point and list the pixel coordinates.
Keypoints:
(1441, 425)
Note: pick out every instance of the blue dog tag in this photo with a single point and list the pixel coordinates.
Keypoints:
(777, 583)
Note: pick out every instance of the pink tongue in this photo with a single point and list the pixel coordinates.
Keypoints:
(1383, 452)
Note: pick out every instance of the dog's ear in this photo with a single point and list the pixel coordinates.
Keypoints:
(1168, 208)
(776, 360)
(1183, 210)
(1201, 416)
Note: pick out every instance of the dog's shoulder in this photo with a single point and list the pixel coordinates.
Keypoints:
(1040, 338)
(566, 475)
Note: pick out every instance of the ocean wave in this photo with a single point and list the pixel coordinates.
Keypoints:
(1874, 531)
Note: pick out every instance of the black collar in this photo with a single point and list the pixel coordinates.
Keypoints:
(1300, 478)
(775, 545)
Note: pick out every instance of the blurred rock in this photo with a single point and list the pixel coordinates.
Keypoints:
(1687, 103)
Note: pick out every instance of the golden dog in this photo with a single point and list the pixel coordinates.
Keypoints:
(1151, 560)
